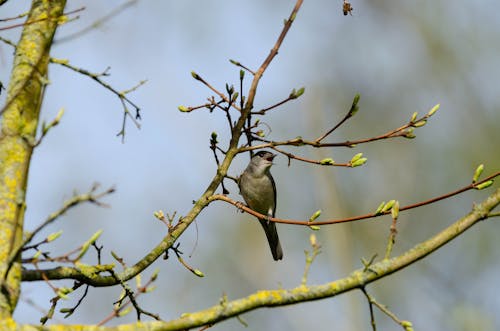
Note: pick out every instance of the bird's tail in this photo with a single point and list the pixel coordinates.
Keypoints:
(273, 239)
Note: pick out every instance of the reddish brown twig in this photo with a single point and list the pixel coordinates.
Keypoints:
(241, 206)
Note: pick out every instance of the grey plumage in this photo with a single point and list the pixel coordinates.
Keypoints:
(259, 191)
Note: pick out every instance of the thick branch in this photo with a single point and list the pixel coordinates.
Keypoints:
(17, 136)
(355, 280)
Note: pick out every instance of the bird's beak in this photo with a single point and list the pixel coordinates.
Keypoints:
(271, 157)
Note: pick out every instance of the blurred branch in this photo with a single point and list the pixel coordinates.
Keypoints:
(60, 20)
(310, 257)
(115, 12)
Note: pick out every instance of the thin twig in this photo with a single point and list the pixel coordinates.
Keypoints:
(405, 131)
(370, 306)
(40, 20)
(303, 159)
(241, 206)
(96, 23)
(310, 257)
(74, 201)
(372, 302)
(238, 64)
(120, 94)
(220, 94)
(131, 296)
(350, 113)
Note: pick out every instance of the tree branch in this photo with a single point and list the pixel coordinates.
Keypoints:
(243, 207)
(356, 280)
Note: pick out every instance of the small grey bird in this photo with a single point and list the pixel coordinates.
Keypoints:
(259, 191)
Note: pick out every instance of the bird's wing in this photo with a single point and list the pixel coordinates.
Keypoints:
(274, 191)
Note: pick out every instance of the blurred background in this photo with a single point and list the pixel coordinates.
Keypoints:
(401, 56)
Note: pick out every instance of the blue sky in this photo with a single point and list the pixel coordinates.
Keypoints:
(402, 57)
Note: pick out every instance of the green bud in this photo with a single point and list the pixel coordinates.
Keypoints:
(354, 107)
(359, 162)
(115, 256)
(395, 210)
(407, 325)
(356, 99)
(420, 123)
(138, 280)
(95, 236)
(242, 74)
(195, 75)
(59, 61)
(379, 208)
(312, 240)
(45, 128)
(388, 206)
(261, 133)
(236, 63)
(37, 254)
(87, 244)
(414, 117)
(59, 115)
(124, 311)
(484, 185)
(327, 161)
(150, 289)
(409, 133)
(63, 292)
(159, 215)
(433, 110)
(300, 92)
(54, 236)
(314, 227)
(478, 172)
(235, 96)
(155, 274)
(356, 157)
(213, 137)
(184, 109)
(315, 215)
(66, 310)
(198, 273)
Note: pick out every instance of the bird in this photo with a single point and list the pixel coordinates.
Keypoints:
(258, 189)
